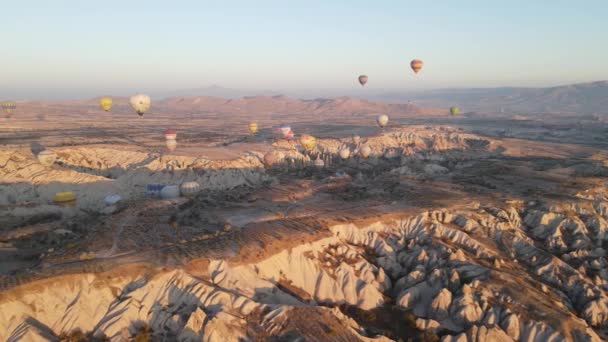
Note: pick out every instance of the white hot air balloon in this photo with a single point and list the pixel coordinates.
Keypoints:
(365, 151)
(140, 103)
(382, 120)
(46, 158)
(170, 191)
(344, 153)
(190, 189)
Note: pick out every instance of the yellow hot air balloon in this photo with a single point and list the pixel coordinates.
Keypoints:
(416, 65)
(8, 107)
(66, 198)
(308, 142)
(105, 103)
(253, 127)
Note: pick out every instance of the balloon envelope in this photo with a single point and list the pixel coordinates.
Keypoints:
(382, 120)
(171, 145)
(105, 103)
(64, 198)
(319, 162)
(8, 107)
(170, 134)
(363, 79)
(140, 103)
(344, 153)
(308, 142)
(190, 189)
(416, 65)
(454, 110)
(286, 131)
(365, 151)
(253, 127)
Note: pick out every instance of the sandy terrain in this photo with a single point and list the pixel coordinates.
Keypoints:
(476, 228)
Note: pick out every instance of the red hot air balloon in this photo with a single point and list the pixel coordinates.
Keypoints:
(416, 65)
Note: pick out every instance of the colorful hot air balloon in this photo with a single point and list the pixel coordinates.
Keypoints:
(363, 79)
(140, 103)
(253, 127)
(286, 132)
(105, 103)
(8, 107)
(382, 120)
(170, 134)
(189, 189)
(416, 65)
(308, 142)
(454, 110)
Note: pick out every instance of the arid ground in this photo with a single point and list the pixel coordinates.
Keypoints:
(478, 227)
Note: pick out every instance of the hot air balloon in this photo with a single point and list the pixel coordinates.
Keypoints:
(46, 158)
(286, 132)
(363, 79)
(344, 153)
(308, 142)
(382, 120)
(190, 189)
(8, 107)
(416, 65)
(105, 103)
(171, 144)
(356, 139)
(153, 190)
(140, 103)
(454, 110)
(365, 151)
(253, 127)
(170, 134)
(66, 198)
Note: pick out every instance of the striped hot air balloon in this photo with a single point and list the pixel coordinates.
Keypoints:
(416, 65)
(190, 189)
(8, 107)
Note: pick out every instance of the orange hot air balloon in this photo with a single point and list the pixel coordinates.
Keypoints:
(416, 65)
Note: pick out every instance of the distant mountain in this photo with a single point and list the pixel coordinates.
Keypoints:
(219, 91)
(584, 98)
(288, 105)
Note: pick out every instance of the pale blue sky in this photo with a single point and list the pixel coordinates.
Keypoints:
(118, 46)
